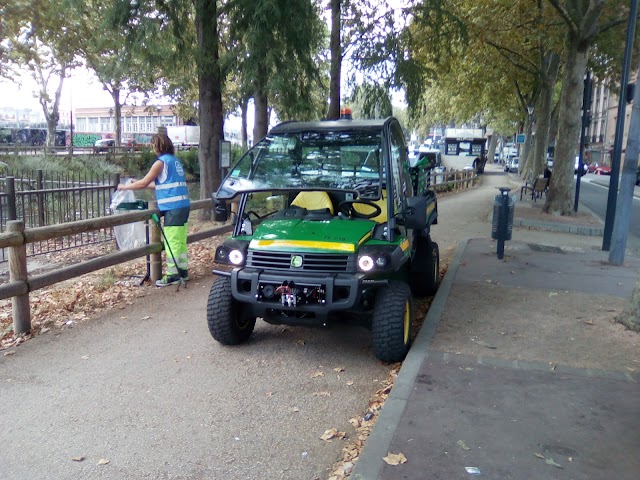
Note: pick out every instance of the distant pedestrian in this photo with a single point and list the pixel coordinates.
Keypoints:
(166, 176)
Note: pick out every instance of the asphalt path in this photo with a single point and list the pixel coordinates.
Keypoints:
(149, 390)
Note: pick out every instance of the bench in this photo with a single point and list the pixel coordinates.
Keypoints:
(537, 189)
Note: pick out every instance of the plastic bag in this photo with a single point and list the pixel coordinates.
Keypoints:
(130, 235)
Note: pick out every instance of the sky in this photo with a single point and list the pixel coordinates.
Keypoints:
(82, 89)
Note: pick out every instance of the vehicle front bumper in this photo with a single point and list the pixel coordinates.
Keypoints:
(341, 292)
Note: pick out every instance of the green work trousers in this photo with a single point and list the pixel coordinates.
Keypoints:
(175, 244)
(177, 247)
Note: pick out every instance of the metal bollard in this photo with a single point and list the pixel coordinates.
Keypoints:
(502, 222)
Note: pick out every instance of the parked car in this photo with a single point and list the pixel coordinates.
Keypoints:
(602, 170)
(104, 145)
(512, 165)
(577, 164)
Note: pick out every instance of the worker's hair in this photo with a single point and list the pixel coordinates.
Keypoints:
(162, 144)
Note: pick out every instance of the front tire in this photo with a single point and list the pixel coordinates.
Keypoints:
(393, 315)
(227, 321)
(425, 267)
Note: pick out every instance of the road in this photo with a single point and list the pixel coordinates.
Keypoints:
(593, 195)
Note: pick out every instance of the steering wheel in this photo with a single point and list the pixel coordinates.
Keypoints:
(347, 208)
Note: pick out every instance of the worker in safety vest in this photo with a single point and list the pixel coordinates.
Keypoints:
(167, 177)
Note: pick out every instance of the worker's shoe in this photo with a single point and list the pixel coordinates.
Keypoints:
(184, 274)
(168, 280)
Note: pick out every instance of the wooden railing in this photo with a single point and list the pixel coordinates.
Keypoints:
(451, 180)
(17, 237)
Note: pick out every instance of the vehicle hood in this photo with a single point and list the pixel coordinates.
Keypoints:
(294, 235)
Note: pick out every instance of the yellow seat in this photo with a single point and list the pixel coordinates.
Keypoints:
(313, 201)
(366, 209)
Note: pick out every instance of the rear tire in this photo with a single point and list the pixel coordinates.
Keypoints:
(393, 315)
(425, 268)
(227, 322)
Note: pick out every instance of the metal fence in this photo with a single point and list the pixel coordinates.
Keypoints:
(42, 199)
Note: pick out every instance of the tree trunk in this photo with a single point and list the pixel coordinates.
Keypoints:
(560, 197)
(210, 98)
(53, 116)
(630, 318)
(336, 62)
(525, 157)
(261, 123)
(243, 123)
(117, 112)
(552, 64)
(493, 142)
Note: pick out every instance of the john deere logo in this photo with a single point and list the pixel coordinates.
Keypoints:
(296, 261)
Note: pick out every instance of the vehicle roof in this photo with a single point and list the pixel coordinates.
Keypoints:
(329, 126)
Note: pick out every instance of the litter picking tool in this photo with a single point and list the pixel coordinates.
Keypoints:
(156, 219)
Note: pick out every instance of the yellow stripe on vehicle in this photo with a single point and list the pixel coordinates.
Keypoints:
(405, 245)
(340, 247)
(365, 238)
(431, 207)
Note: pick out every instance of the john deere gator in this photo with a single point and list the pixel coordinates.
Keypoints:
(331, 225)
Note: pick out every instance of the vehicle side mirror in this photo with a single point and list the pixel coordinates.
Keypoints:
(220, 212)
(415, 215)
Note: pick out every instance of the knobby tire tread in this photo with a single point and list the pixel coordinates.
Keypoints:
(223, 314)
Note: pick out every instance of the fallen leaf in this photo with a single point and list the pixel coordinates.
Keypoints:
(300, 342)
(550, 461)
(103, 461)
(338, 369)
(395, 459)
(317, 374)
(462, 445)
(10, 352)
(77, 459)
(269, 394)
(570, 459)
(539, 455)
(349, 383)
(85, 357)
(589, 322)
(321, 394)
(332, 433)
(485, 344)
(295, 409)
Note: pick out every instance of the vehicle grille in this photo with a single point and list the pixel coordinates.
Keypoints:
(310, 262)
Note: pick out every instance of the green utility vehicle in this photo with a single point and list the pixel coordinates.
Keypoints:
(331, 225)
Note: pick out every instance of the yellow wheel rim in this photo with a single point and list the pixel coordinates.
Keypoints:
(407, 321)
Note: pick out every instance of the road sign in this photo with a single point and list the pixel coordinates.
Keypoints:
(521, 138)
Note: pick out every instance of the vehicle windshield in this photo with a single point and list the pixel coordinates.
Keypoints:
(341, 160)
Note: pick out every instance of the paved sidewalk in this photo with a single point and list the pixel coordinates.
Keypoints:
(481, 405)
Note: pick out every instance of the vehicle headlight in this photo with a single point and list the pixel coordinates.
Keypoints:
(236, 257)
(365, 263)
(369, 262)
(231, 254)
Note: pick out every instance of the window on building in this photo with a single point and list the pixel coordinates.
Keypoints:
(94, 124)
